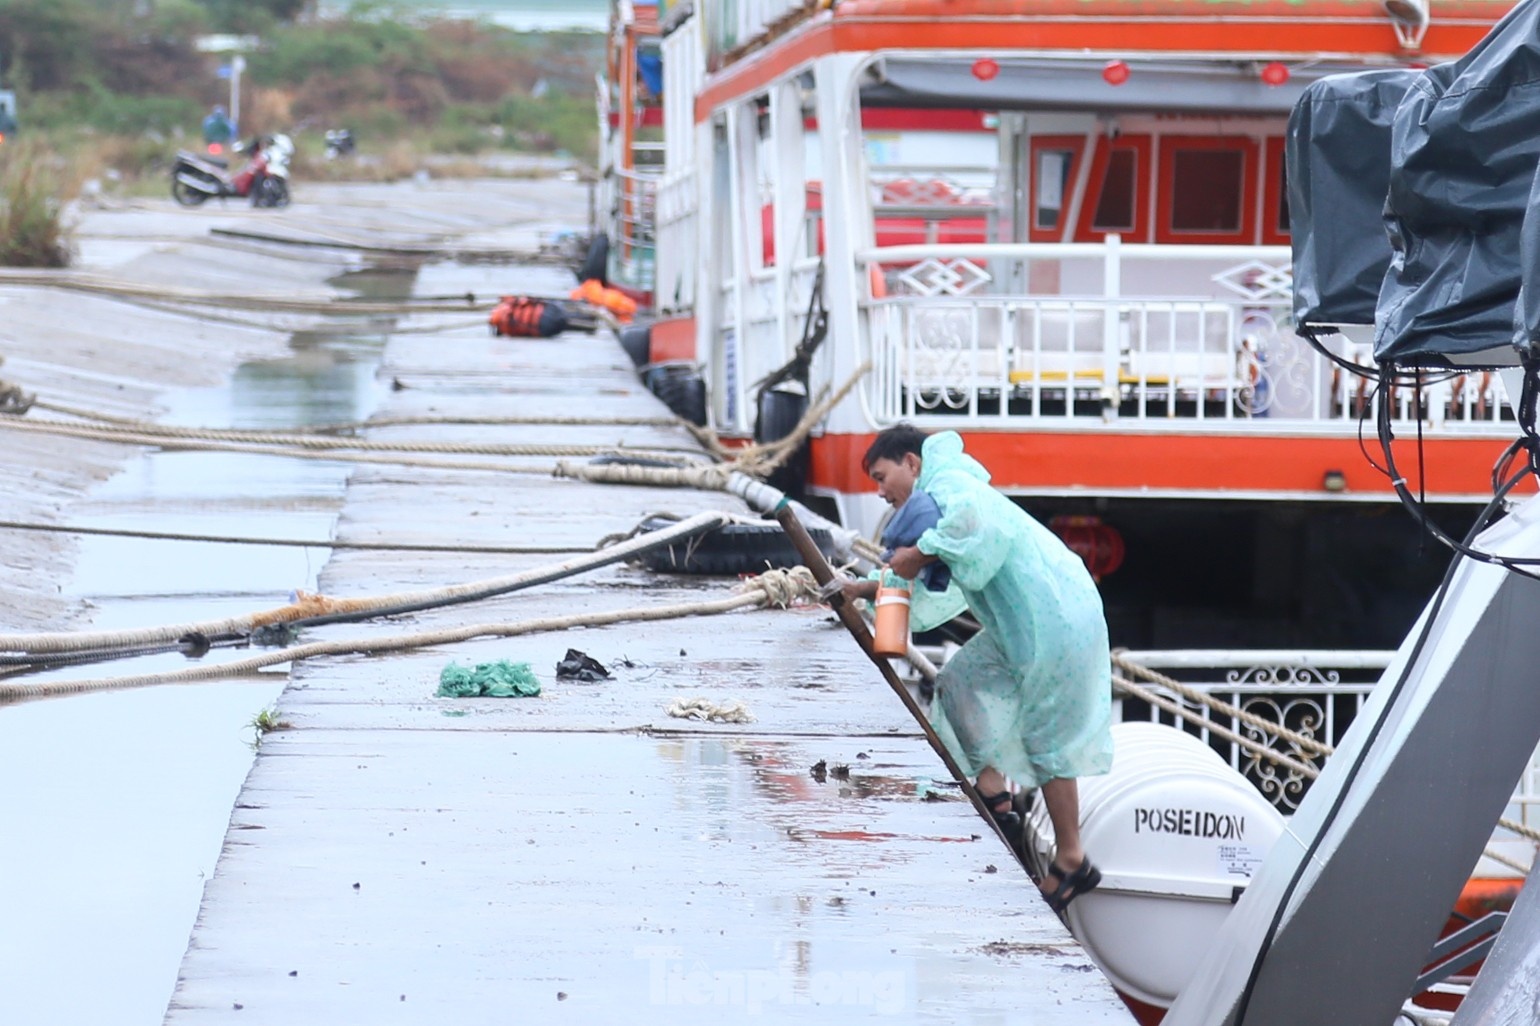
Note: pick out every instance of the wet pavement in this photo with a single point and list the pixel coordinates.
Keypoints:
(582, 856)
(579, 856)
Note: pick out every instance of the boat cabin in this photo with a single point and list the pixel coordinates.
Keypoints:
(1060, 227)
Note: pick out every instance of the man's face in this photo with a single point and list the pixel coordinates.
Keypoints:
(895, 479)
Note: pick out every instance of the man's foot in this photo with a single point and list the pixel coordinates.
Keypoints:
(1061, 886)
(1001, 807)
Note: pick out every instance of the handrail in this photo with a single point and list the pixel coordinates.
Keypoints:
(1008, 250)
(1225, 659)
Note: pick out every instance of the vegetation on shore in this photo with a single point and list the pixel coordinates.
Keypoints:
(107, 91)
(32, 230)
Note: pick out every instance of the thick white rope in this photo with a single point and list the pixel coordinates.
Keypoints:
(175, 437)
(308, 606)
(319, 304)
(773, 589)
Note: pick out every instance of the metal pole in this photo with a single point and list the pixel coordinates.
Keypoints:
(823, 574)
(237, 65)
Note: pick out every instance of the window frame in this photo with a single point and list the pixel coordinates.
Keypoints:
(1274, 147)
(1036, 145)
(1105, 145)
(1170, 146)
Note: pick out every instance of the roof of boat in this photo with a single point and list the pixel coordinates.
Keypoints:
(1186, 26)
(1286, 30)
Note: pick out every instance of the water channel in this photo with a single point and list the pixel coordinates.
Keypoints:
(116, 804)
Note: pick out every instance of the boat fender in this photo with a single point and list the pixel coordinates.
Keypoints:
(730, 550)
(779, 410)
(681, 388)
(636, 340)
(596, 264)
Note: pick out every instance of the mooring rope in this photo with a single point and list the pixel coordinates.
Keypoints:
(164, 437)
(774, 588)
(299, 543)
(340, 427)
(272, 302)
(420, 462)
(1300, 741)
(19, 648)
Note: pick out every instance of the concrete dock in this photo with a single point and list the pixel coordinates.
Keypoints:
(581, 856)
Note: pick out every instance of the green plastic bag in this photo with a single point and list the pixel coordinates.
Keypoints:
(501, 679)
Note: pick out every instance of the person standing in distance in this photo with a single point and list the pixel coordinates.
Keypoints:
(1029, 697)
(217, 128)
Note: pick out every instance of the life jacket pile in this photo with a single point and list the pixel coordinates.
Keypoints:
(524, 317)
(595, 293)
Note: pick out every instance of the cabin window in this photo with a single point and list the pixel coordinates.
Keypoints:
(1115, 207)
(1209, 187)
(1208, 190)
(1053, 167)
(1118, 191)
(1053, 188)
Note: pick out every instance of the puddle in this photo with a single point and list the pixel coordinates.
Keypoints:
(117, 802)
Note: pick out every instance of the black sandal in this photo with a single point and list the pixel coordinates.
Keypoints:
(1008, 821)
(1073, 884)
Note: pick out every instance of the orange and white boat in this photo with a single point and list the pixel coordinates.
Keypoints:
(1061, 228)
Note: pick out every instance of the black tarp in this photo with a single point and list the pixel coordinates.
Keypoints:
(1338, 164)
(1526, 311)
(1464, 149)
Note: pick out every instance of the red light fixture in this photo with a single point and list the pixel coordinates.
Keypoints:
(1116, 72)
(1274, 74)
(1098, 544)
(985, 69)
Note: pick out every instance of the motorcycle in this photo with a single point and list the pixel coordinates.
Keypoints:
(264, 179)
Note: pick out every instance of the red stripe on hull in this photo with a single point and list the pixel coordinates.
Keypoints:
(1205, 465)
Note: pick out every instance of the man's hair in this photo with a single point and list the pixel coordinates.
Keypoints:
(892, 443)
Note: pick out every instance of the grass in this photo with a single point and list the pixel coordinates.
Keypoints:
(33, 186)
(264, 723)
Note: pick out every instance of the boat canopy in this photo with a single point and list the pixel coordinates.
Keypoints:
(1076, 84)
(1464, 149)
(1338, 170)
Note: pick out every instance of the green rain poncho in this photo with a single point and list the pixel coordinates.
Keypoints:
(1031, 694)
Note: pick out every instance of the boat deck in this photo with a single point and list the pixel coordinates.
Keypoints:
(582, 856)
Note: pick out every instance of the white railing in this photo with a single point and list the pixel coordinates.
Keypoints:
(1150, 334)
(960, 191)
(1316, 693)
(676, 261)
(771, 325)
(635, 218)
(747, 20)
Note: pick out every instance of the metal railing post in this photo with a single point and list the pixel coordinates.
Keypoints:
(1112, 342)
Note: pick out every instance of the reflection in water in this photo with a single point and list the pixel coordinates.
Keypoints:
(117, 803)
(317, 385)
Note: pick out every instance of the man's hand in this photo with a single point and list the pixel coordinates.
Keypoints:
(853, 589)
(908, 561)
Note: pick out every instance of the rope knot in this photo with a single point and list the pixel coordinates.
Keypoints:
(13, 400)
(783, 587)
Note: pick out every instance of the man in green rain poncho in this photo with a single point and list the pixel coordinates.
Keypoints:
(1029, 698)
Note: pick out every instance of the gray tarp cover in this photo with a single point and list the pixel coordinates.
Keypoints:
(1338, 162)
(1464, 148)
(1526, 314)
